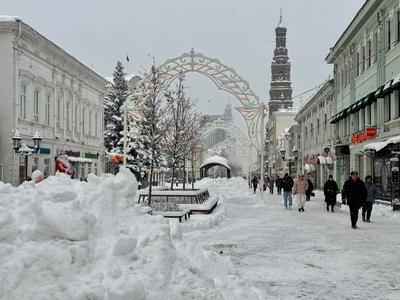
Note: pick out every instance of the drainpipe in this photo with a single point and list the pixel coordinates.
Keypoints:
(15, 106)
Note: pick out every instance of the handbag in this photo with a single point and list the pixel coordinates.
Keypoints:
(312, 194)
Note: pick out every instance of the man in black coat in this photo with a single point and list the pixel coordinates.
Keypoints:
(355, 192)
(330, 190)
(278, 183)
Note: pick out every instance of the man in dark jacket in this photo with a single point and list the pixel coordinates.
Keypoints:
(310, 189)
(287, 185)
(278, 183)
(371, 194)
(330, 190)
(355, 192)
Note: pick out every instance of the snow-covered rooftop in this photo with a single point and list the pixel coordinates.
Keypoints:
(216, 159)
(9, 18)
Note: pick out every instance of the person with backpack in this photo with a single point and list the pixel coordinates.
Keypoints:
(355, 192)
(371, 195)
(330, 191)
(287, 185)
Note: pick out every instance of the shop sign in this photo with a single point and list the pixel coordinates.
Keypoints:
(73, 153)
(360, 137)
(91, 155)
(42, 150)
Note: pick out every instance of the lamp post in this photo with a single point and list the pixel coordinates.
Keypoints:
(23, 150)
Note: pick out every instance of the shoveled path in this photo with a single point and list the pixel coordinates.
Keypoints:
(309, 255)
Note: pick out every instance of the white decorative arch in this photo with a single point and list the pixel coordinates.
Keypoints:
(225, 78)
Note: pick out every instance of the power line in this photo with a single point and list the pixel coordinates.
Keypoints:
(82, 28)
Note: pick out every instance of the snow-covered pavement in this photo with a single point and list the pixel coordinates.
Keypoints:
(309, 255)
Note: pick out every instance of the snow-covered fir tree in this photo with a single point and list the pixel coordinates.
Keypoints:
(152, 108)
(138, 143)
(113, 116)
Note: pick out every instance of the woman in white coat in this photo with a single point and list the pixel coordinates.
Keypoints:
(299, 190)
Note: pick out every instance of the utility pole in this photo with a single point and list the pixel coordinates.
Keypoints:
(262, 149)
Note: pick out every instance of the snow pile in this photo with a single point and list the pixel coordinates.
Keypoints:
(66, 239)
(386, 210)
(235, 187)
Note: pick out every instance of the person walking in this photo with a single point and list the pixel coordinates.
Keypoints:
(300, 188)
(330, 191)
(271, 185)
(254, 182)
(371, 195)
(287, 185)
(355, 192)
(310, 189)
(278, 183)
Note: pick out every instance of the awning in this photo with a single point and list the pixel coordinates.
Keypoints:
(352, 108)
(79, 159)
(396, 81)
(378, 146)
(322, 160)
(369, 99)
(359, 104)
(379, 92)
(308, 168)
(387, 88)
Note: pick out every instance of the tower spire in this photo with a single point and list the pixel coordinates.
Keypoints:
(280, 18)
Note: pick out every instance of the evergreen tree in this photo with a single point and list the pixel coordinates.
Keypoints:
(113, 116)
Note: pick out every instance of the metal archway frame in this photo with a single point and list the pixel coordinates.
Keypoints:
(238, 139)
(225, 78)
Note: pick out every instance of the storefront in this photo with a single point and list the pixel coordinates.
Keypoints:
(71, 163)
(385, 156)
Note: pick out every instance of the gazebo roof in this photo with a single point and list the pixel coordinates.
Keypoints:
(216, 160)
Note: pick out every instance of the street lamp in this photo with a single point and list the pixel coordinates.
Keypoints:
(283, 152)
(23, 150)
(295, 153)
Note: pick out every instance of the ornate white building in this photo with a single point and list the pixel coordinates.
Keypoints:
(315, 147)
(45, 89)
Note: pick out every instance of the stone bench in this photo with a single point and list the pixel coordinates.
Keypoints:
(177, 214)
(205, 208)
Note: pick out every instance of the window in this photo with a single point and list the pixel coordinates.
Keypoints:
(76, 117)
(47, 110)
(46, 170)
(58, 112)
(363, 59)
(357, 64)
(96, 124)
(375, 46)
(386, 106)
(22, 102)
(388, 36)
(68, 116)
(398, 26)
(369, 53)
(90, 123)
(83, 120)
(36, 105)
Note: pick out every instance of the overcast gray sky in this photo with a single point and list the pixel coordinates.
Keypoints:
(240, 33)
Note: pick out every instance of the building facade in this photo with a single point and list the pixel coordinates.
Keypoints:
(45, 89)
(315, 152)
(366, 61)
